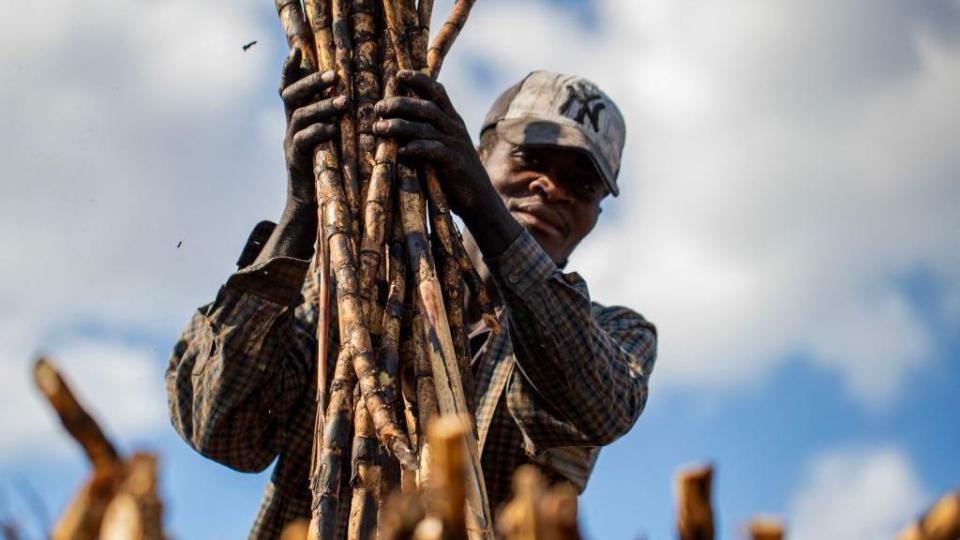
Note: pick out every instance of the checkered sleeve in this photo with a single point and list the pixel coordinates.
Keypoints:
(582, 369)
(241, 365)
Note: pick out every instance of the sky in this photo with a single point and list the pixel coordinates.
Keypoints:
(788, 218)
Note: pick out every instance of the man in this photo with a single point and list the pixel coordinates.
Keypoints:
(565, 377)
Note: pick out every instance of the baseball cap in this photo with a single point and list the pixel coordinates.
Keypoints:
(564, 111)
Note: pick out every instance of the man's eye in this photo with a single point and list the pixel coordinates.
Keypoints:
(525, 158)
(590, 188)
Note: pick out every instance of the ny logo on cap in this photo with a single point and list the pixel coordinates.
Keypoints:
(586, 95)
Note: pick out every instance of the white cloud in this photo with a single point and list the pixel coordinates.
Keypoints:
(121, 123)
(787, 166)
(856, 494)
(779, 178)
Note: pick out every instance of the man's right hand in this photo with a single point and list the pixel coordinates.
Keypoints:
(311, 120)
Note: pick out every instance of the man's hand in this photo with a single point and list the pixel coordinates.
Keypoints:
(311, 120)
(429, 129)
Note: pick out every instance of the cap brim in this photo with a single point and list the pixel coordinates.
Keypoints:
(537, 132)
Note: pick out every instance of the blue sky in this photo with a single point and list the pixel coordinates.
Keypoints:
(788, 219)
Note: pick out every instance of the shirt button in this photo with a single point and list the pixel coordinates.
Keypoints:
(514, 278)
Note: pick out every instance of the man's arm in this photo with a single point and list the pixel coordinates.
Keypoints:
(246, 359)
(581, 371)
(243, 363)
(588, 375)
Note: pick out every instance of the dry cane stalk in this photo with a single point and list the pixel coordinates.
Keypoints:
(136, 512)
(366, 82)
(447, 35)
(442, 226)
(74, 418)
(443, 250)
(83, 516)
(408, 385)
(520, 518)
(762, 528)
(558, 511)
(327, 473)
(427, 408)
(446, 484)
(440, 351)
(390, 347)
(694, 513)
(401, 516)
(349, 167)
(377, 202)
(365, 478)
(443, 223)
(941, 522)
(371, 479)
(336, 232)
(424, 13)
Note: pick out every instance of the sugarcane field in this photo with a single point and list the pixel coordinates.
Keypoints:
(394, 270)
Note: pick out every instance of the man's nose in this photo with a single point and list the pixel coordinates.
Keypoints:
(550, 190)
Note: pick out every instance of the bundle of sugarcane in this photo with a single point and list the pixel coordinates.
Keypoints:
(399, 303)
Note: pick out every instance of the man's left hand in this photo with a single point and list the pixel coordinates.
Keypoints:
(428, 128)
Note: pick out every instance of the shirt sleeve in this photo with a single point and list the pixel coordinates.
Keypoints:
(582, 370)
(243, 362)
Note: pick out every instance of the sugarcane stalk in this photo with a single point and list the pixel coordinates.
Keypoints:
(75, 419)
(449, 458)
(764, 528)
(408, 387)
(336, 231)
(365, 477)
(135, 513)
(940, 522)
(378, 201)
(427, 409)
(343, 55)
(477, 290)
(83, 516)
(441, 219)
(694, 511)
(390, 348)
(366, 82)
(413, 28)
(520, 518)
(392, 319)
(327, 474)
(558, 511)
(452, 281)
(437, 340)
(447, 34)
(424, 13)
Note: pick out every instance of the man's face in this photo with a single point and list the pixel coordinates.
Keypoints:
(554, 193)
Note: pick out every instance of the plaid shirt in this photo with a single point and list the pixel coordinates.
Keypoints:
(565, 377)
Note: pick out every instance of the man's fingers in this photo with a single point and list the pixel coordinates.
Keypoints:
(323, 110)
(290, 71)
(399, 128)
(424, 86)
(416, 109)
(304, 90)
(307, 139)
(428, 150)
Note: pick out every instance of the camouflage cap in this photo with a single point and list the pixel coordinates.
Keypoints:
(564, 111)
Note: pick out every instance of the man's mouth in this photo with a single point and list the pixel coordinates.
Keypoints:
(543, 218)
